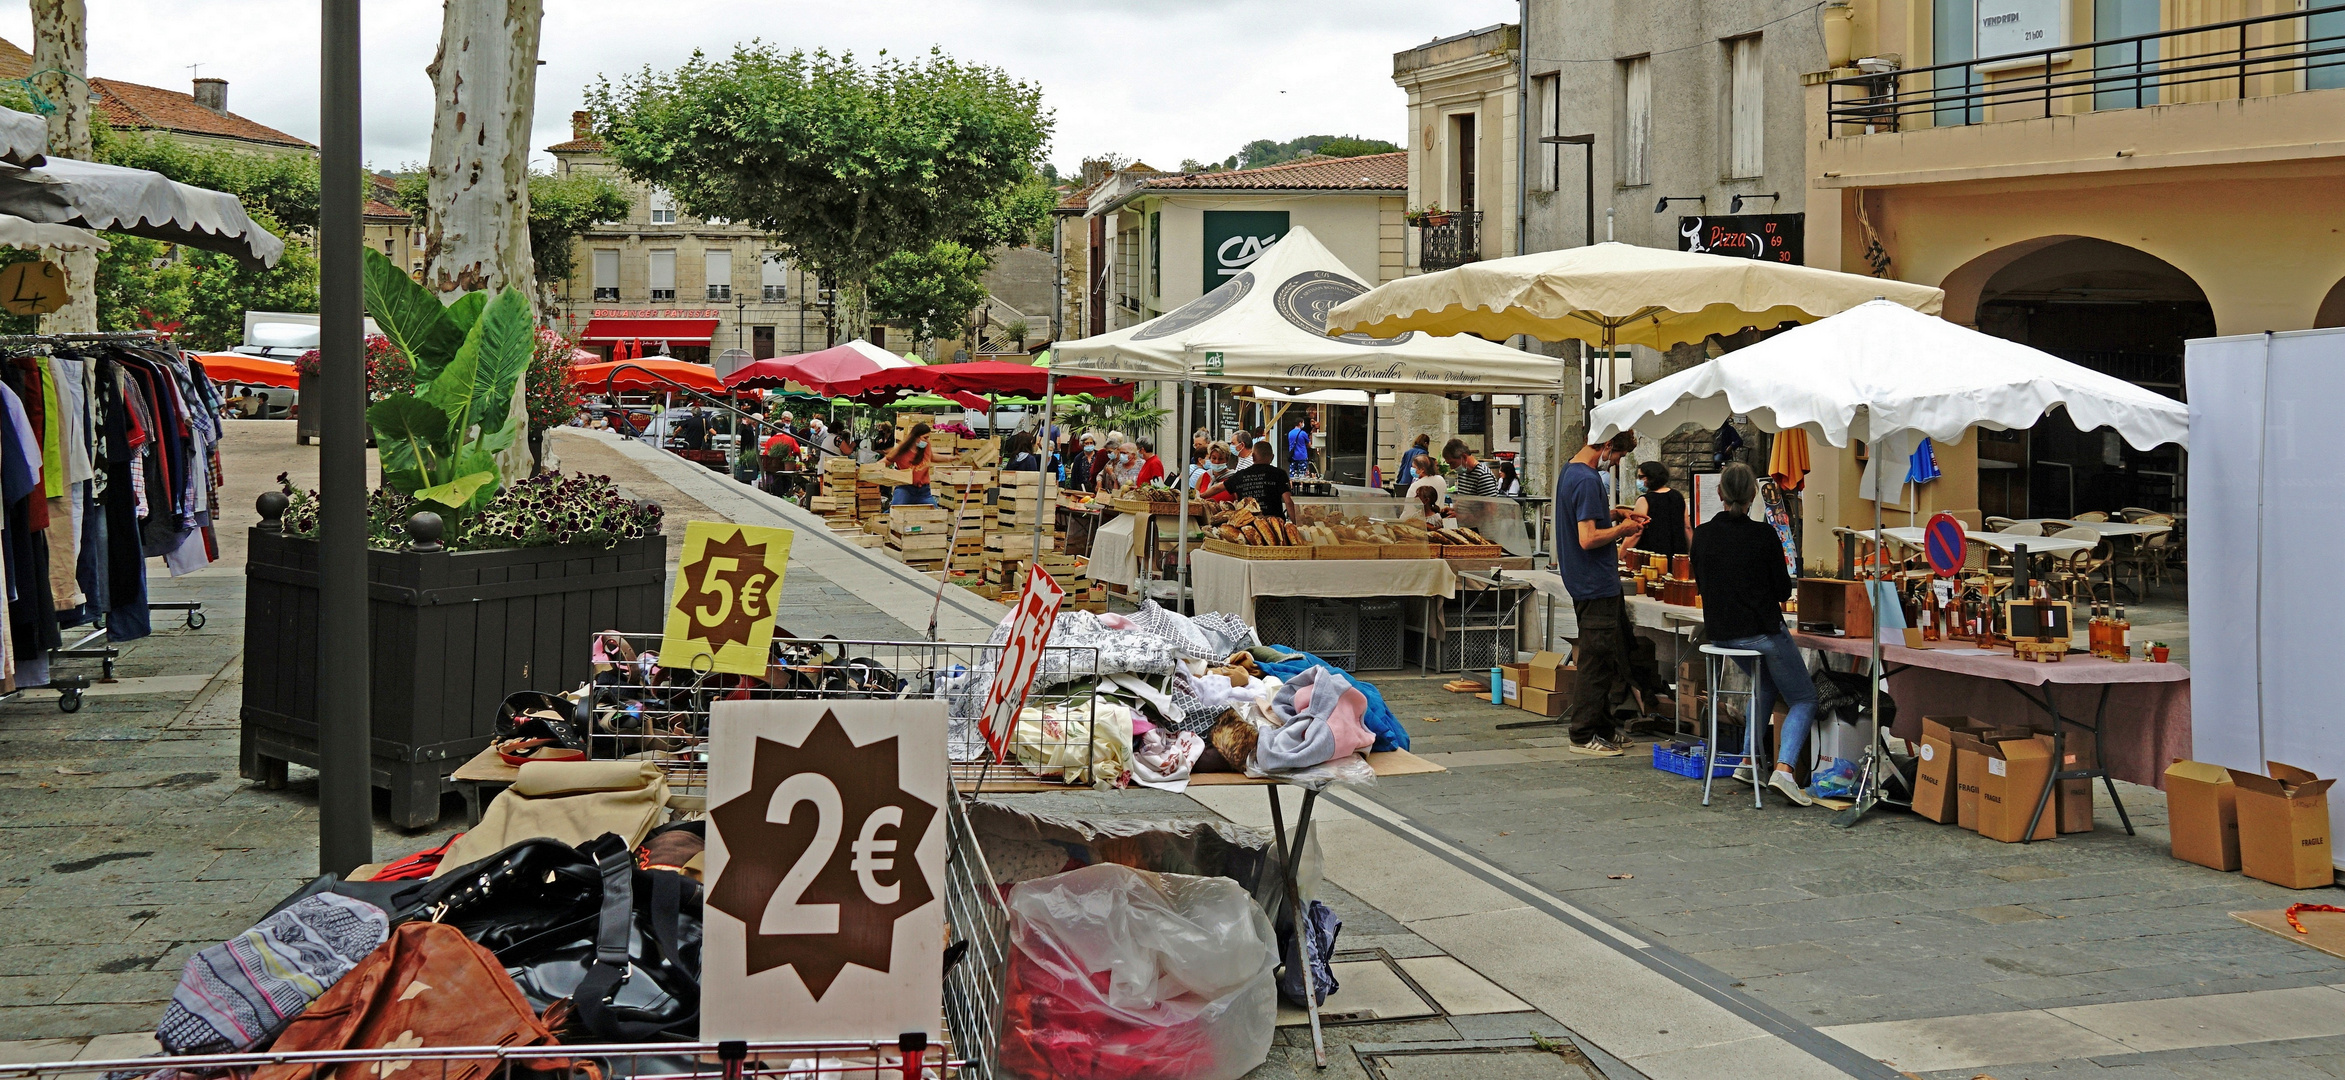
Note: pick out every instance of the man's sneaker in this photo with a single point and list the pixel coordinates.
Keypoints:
(1596, 746)
(1742, 772)
(1790, 788)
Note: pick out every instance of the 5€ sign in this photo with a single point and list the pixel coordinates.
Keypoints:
(826, 856)
(32, 288)
(725, 587)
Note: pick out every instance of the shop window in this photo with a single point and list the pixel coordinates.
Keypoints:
(1473, 415)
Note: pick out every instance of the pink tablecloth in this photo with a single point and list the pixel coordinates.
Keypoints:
(2146, 726)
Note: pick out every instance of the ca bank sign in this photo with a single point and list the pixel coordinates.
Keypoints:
(1235, 238)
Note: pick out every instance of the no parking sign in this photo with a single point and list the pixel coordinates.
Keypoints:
(1945, 544)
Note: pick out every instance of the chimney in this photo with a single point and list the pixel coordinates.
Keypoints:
(581, 125)
(212, 94)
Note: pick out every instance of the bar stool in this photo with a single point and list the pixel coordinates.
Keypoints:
(1718, 658)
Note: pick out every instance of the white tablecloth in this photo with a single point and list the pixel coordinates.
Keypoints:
(1230, 584)
(1112, 546)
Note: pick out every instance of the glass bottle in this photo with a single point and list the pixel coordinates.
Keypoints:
(2121, 634)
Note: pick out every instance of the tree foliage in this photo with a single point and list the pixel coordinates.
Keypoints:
(932, 291)
(844, 163)
(1262, 152)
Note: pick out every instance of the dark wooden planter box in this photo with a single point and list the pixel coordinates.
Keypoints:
(451, 634)
(305, 421)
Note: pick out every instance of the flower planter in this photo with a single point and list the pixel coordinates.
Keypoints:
(305, 421)
(452, 634)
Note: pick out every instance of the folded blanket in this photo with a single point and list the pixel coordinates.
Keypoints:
(1319, 716)
(1379, 719)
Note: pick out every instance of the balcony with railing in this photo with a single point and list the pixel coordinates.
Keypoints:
(1450, 240)
(2263, 56)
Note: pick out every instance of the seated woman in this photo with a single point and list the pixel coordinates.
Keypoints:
(1740, 572)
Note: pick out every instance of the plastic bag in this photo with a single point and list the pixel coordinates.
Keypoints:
(1833, 778)
(1120, 974)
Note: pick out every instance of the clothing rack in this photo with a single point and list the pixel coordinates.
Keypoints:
(71, 688)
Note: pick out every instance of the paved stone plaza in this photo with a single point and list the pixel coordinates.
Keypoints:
(1526, 891)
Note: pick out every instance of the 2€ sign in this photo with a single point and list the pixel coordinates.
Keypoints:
(32, 288)
(723, 607)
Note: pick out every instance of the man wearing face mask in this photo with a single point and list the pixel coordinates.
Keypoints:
(1590, 568)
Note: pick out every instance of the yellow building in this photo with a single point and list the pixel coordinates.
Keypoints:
(2101, 179)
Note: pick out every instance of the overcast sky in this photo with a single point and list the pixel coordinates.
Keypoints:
(1157, 79)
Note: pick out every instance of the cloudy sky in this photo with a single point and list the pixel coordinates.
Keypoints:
(1157, 79)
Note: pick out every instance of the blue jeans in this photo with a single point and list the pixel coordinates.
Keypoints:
(1785, 675)
(919, 495)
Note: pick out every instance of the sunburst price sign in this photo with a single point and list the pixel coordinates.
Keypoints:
(726, 585)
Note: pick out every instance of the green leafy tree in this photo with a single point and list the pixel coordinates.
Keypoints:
(1260, 152)
(844, 164)
(932, 291)
(440, 443)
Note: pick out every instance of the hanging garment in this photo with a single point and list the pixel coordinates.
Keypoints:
(1788, 463)
(123, 569)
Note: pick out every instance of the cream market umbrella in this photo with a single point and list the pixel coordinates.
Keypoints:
(1266, 327)
(138, 202)
(885, 359)
(1878, 372)
(1616, 294)
(23, 138)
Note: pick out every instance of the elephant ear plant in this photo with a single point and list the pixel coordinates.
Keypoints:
(440, 443)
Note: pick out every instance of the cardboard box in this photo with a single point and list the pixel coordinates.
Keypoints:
(2016, 772)
(1933, 796)
(1545, 702)
(1547, 671)
(1511, 680)
(1970, 763)
(2202, 814)
(2284, 827)
(2075, 797)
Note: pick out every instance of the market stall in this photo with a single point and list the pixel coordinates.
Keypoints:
(1266, 327)
(1883, 373)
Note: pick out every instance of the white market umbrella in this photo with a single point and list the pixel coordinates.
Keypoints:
(23, 138)
(1880, 368)
(885, 359)
(138, 202)
(1267, 326)
(25, 235)
(1875, 372)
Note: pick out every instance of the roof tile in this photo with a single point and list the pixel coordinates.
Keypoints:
(1367, 172)
(131, 105)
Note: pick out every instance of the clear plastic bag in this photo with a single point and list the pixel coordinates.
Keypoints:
(1121, 974)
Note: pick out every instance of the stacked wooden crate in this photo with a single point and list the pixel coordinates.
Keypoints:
(920, 536)
(841, 499)
(1023, 495)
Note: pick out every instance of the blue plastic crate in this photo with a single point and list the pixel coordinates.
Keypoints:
(1688, 762)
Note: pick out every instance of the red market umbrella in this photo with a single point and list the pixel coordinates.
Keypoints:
(1003, 377)
(647, 374)
(830, 373)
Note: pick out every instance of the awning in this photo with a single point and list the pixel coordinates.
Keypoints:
(672, 331)
(249, 370)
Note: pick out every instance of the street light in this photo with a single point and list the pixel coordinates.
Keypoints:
(740, 316)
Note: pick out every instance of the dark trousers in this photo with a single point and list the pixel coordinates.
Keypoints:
(1613, 663)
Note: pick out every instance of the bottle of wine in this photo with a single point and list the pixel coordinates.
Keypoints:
(2121, 634)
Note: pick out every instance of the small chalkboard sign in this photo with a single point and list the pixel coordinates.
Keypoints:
(1946, 544)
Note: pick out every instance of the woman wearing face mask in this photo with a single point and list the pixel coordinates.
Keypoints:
(1206, 476)
(1672, 530)
(912, 456)
(1124, 465)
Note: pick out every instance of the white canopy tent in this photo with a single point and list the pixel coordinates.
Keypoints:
(1267, 327)
(111, 198)
(1879, 372)
(24, 138)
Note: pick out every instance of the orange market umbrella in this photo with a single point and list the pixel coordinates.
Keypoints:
(650, 373)
(248, 370)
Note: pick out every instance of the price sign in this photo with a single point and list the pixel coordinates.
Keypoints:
(32, 288)
(1021, 657)
(1946, 544)
(825, 862)
(725, 586)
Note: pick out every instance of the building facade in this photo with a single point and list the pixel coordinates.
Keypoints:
(677, 284)
(2100, 179)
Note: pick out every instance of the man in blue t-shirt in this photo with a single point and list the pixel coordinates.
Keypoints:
(1298, 448)
(1588, 530)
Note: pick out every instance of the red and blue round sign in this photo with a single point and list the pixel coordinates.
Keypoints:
(1945, 543)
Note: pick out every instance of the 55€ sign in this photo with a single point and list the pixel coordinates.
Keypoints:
(826, 863)
(723, 609)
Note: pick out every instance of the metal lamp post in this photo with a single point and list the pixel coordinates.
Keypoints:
(345, 722)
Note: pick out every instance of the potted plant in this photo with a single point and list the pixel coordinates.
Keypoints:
(477, 587)
(1432, 214)
(2159, 651)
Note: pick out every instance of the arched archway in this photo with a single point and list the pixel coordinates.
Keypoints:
(2332, 311)
(2109, 307)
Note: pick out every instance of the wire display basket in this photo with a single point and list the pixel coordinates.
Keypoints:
(638, 709)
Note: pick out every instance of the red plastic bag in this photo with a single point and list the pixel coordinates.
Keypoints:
(1121, 974)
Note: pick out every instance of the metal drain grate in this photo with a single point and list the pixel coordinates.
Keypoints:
(1563, 1062)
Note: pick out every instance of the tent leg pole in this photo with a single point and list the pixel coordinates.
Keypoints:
(1868, 789)
(1049, 469)
(1181, 528)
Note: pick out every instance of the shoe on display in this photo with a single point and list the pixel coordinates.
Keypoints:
(1597, 746)
(1790, 788)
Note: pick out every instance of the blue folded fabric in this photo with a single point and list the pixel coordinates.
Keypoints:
(1389, 734)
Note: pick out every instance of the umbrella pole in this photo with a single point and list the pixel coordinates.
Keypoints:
(1181, 543)
(1049, 468)
(1868, 787)
(1368, 465)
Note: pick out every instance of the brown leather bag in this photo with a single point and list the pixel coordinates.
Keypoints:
(428, 986)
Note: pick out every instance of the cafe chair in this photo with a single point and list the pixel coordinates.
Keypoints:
(2075, 572)
(1998, 524)
(1718, 658)
(2091, 515)
(2022, 528)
